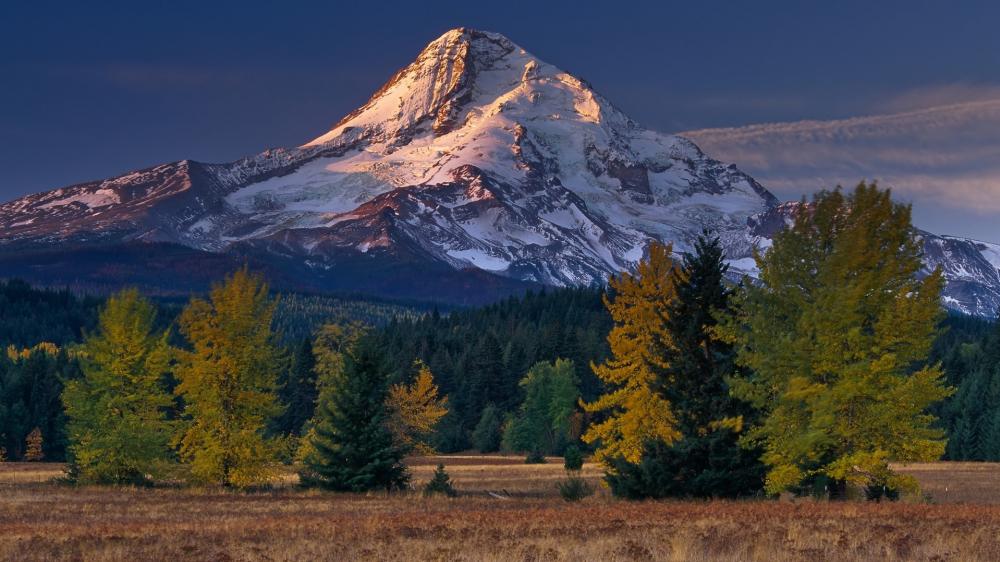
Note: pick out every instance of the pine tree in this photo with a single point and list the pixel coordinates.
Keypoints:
(228, 382)
(298, 390)
(634, 412)
(836, 338)
(415, 410)
(118, 428)
(707, 461)
(33, 446)
(353, 449)
(440, 483)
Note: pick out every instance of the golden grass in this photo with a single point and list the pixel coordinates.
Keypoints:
(45, 521)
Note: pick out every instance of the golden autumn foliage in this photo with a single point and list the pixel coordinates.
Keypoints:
(33, 446)
(228, 383)
(634, 412)
(415, 409)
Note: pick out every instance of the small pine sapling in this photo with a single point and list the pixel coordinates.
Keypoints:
(440, 484)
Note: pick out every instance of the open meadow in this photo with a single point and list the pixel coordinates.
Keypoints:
(506, 511)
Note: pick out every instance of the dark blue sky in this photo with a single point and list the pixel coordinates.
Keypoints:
(92, 89)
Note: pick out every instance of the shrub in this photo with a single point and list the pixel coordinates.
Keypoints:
(575, 488)
(535, 457)
(573, 458)
(440, 484)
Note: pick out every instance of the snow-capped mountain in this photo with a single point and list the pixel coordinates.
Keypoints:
(477, 164)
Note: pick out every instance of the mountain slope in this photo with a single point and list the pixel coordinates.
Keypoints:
(478, 169)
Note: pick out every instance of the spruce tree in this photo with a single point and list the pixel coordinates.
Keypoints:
(707, 461)
(118, 427)
(836, 338)
(353, 450)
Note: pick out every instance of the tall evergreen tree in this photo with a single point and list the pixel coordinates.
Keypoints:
(634, 412)
(352, 448)
(836, 337)
(228, 382)
(298, 390)
(707, 461)
(118, 428)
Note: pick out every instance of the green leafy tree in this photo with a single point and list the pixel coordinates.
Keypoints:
(228, 382)
(836, 338)
(543, 423)
(487, 435)
(707, 461)
(353, 449)
(118, 428)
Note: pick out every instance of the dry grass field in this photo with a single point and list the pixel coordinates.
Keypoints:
(42, 520)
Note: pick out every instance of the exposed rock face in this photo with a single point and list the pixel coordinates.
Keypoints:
(475, 157)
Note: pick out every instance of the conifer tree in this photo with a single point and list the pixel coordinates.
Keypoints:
(415, 410)
(836, 338)
(634, 413)
(33, 446)
(352, 447)
(440, 483)
(118, 428)
(330, 348)
(298, 390)
(228, 382)
(707, 461)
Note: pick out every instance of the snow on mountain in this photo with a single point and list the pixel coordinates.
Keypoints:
(476, 156)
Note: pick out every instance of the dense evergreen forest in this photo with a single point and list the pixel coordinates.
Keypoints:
(477, 356)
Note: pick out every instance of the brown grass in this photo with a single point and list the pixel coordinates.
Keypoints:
(44, 521)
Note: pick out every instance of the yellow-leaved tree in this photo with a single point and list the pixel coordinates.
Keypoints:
(414, 410)
(227, 381)
(634, 413)
(836, 337)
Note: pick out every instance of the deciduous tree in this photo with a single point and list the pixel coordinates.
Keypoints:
(118, 428)
(836, 337)
(415, 409)
(633, 412)
(228, 383)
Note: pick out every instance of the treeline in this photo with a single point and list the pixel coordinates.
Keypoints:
(479, 357)
(811, 380)
(970, 354)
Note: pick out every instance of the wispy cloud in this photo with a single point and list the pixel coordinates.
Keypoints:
(944, 155)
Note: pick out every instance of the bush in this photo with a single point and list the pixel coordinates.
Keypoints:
(573, 458)
(575, 488)
(440, 484)
(535, 457)
(878, 492)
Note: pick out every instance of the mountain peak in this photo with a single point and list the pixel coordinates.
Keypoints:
(429, 92)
